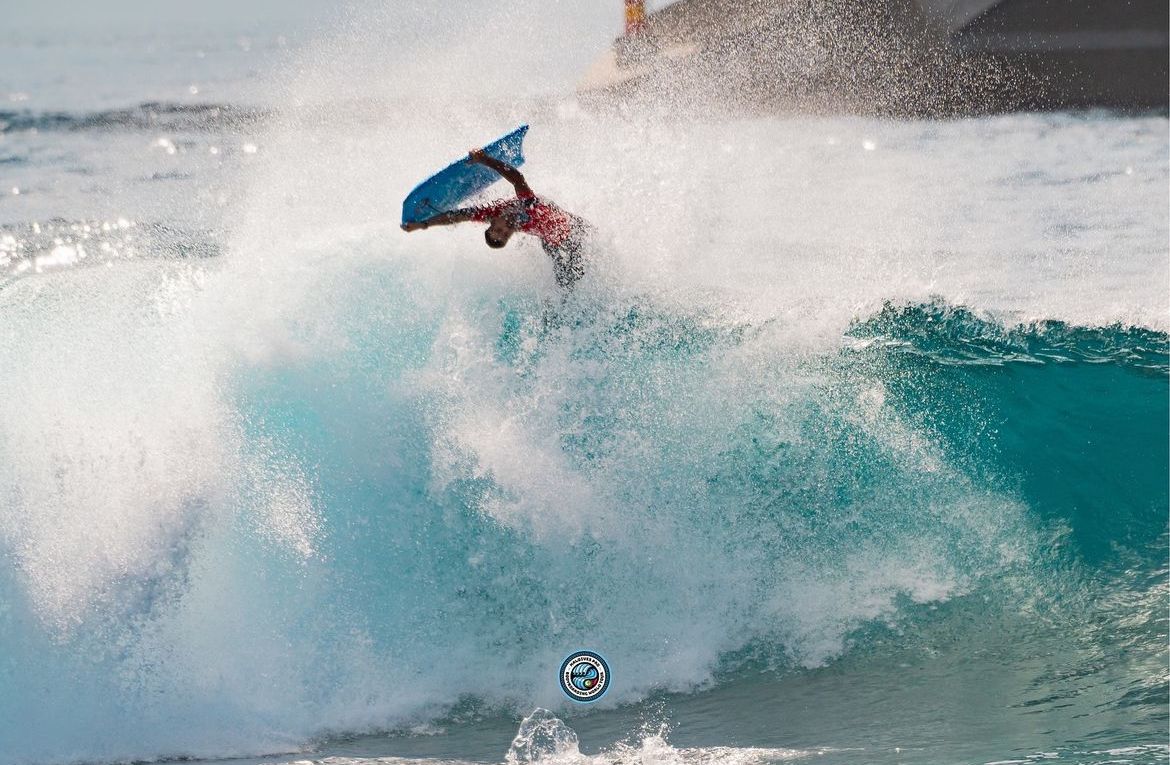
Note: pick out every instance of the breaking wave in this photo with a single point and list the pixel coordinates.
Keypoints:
(233, 527)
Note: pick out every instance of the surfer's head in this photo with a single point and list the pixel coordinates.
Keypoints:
(498, 233)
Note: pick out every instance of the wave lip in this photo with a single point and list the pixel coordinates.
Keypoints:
(957, 335)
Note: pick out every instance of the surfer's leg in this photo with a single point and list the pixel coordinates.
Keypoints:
(568, 262)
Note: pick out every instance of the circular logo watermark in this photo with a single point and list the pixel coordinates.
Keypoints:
(584, 676)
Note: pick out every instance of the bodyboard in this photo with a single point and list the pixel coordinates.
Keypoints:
(448, 188)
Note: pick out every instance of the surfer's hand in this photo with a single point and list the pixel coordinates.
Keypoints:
(414, 225)
(476, 155)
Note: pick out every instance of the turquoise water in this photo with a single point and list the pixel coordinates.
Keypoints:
(852, 447)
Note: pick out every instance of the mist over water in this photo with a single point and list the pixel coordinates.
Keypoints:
(853, 442)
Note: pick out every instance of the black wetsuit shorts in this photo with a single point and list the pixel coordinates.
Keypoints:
(569, 256)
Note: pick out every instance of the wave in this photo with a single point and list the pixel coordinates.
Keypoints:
(148, 115)
(239, 520)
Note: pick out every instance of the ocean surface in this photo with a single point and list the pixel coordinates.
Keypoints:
(851, 448)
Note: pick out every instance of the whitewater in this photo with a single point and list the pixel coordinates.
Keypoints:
(851, 447)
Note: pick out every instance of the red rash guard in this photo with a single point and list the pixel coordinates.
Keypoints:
(532, 215)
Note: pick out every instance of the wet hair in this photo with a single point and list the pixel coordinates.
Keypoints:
(492, 242)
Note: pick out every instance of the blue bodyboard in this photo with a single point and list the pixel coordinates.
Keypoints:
(451, 186)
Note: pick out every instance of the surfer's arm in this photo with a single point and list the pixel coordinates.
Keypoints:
(442, 219)
(506, 171)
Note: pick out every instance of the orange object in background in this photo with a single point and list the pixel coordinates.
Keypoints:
(635, 17)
